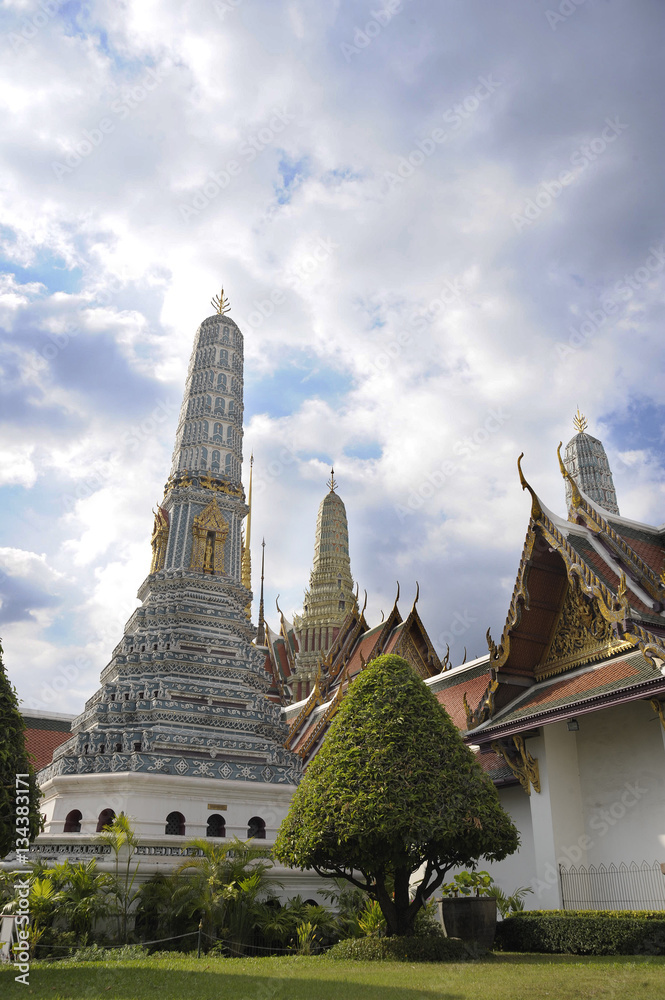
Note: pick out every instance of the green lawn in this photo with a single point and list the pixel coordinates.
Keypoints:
(502, 977)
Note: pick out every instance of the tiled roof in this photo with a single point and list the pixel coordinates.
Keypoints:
(620, 674)
(452, 698)
(608, 577)
(495, 766)
(43, 737)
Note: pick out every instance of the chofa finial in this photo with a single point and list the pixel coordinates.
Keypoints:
(220, 304)
(580, 422)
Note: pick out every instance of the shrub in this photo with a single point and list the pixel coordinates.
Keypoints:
(400, 949)
(584, 932)
(93, 953)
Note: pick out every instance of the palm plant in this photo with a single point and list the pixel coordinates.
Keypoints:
(225, 885)
(84, 896)
(122, 840)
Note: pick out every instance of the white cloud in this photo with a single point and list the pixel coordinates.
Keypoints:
(366, 358)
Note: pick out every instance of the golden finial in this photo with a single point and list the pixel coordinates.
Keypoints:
(220, 304)
(536, 509)
(331, 482)
(580, 422)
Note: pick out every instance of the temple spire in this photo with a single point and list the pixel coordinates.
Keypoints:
(586, 463)
(330, 596)
(261, 631)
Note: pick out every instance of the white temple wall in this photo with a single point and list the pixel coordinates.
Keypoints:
(622, 766)
(148, 799)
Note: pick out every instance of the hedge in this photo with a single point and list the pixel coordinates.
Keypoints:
(584, 932)
(401, 949)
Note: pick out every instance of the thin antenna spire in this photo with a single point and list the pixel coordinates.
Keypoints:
(246, 565)
(331, 482)
(261, 631)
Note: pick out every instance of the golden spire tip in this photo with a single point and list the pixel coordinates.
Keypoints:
(580, 422)
(220, 304)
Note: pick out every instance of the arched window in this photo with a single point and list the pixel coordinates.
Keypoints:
(227, 465)
(208, 402)
(223, 358)
(73, 822)
(215, 462)
(256, 828)
(225, 334)
(232, 407)
(175, 825)
(229, 434)
(221, 381)
(204, 429)
(218, 434)
(216, 826)
(219, 404)
(104, 819)
(204, 458)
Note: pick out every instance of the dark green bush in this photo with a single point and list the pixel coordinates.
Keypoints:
(584, 932)
(401, 949)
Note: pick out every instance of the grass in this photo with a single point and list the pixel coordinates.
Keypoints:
(500, 977)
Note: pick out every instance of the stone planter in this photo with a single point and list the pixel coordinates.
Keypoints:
(471, 918)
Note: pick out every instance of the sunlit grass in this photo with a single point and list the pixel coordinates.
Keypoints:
(501, 977)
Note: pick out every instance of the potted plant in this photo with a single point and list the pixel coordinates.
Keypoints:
(467, 909)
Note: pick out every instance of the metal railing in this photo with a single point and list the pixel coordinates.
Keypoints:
(624, 886)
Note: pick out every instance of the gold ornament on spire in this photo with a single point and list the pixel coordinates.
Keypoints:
(580, 422)
(220, 304)
(331, 482)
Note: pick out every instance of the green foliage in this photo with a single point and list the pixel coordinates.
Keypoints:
(584, 932)
(393, 788)
(307, 939)
(509, 904)
(14, 760)
(97, 953)
(226, 886)
(400, 949)
(371, 921)
(122, 840)
(158, 914)
(469, 884)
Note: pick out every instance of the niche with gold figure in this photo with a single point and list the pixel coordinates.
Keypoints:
(209, 530)
(159, 539)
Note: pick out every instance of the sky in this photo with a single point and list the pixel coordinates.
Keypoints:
(440, 225)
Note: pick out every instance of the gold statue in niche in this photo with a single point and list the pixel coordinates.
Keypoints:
(159, 538)
(209, 530)
(209, 557)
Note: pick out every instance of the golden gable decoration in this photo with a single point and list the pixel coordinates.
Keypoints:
(581, 635)
(210, 529)
(159, 539)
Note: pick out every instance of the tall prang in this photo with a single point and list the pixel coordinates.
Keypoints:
(183, 696)
(330, 596)
(586, 461)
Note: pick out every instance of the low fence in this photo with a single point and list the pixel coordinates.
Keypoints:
(624, 886)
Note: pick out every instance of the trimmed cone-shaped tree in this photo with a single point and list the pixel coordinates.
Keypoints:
(14, 761)
(392, 790)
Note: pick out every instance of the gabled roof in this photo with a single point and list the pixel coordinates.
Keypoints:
(355, 647)
(585, 626)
